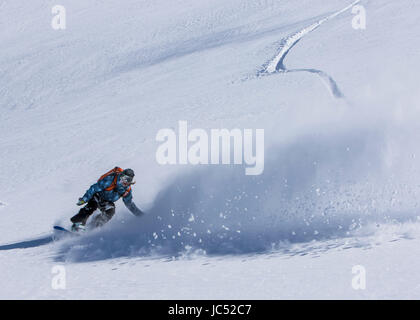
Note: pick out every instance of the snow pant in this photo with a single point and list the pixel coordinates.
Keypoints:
(107, 209)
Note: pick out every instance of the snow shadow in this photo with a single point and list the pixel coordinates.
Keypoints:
(324, 185)
(28, 243)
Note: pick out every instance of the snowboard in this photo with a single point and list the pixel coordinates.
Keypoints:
(65, 231)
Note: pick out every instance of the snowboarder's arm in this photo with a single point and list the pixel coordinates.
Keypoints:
(97, 187)
(128, 201)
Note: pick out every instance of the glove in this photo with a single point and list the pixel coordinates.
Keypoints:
(81, 202)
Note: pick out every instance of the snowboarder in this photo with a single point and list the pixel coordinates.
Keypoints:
(111, 186)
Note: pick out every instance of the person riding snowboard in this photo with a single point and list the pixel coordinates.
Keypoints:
(111, 186)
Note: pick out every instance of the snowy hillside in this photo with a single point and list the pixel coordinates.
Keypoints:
(339, 107)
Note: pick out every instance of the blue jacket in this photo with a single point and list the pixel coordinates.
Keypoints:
(112, 195)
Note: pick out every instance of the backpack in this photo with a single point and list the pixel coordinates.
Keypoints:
(116, 171)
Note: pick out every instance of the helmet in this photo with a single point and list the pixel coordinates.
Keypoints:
(127, 177)
(128, 172)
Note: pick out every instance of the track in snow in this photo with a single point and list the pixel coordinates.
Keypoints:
(276, 64)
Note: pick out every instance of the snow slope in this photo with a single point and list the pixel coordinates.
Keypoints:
(338, 106)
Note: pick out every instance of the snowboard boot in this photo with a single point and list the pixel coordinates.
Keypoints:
(78, 227)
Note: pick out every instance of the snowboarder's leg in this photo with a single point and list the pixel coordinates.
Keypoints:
(107, 212)
(85, 212)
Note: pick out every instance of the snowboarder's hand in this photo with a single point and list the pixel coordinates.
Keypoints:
(81, 202)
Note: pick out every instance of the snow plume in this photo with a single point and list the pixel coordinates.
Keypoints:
(329, 183)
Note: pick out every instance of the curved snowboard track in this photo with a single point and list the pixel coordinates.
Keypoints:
(276, 64)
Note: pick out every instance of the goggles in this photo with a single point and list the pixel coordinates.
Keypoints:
(126, 180)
